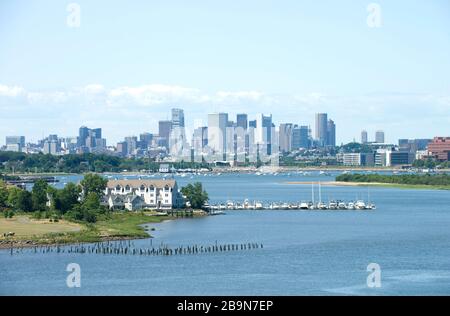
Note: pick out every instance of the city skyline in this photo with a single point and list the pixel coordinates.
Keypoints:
(125, 71)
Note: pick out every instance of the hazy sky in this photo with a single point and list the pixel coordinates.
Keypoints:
(129, 62)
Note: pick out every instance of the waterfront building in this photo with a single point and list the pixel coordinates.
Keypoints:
(252, 123)
(440, 148)
(217, 124)
(134, 195)
(364, 137)
(389, 157)
(358, 159)
(321, 129)
(379, 137)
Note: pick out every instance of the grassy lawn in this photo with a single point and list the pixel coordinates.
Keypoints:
(117, 226)
(24, 226)
(126, 224)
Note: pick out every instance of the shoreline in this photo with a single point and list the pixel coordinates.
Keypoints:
(121, 226)
(243, 170)
(375, 184)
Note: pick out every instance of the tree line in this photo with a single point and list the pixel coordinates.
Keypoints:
(413, 179)
(79, 202)
(82, 163)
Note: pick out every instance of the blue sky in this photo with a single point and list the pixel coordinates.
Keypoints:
(129, 62)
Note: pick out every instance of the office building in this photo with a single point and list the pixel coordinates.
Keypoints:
(413, 145)
(440, 148)
(177, 118)
(217, 124)
(379, 137)
(321, 129)
(263, 132)
(358, 159)
(15, 143)
(122, 149)
(285, 137)
(242, 121)
(164, 129)
(364, 137)
(331, 133)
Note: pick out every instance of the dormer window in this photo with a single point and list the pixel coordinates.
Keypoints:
(127, 188)
(142, 188)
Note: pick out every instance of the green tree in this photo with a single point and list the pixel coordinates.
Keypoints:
(92, 202)
(68, 197)
(39, 195)
(24, 201)
(3, 194)
(93, 183)
(195, 194)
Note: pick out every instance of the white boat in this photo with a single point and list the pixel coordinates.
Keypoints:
(258, 206)
(371, 206)
(275, 206)
(284, 206)
(342, 206)
(321, 206)
(230, 205)
(332, 205)
(304, 206)
(360, 205)
(351, 206)
(216, 213)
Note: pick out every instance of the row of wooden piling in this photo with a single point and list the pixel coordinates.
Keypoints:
(128, 248)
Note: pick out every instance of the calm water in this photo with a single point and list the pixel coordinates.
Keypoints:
(316, 253)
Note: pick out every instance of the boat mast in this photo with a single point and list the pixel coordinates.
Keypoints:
(312, 192)
(320, 194)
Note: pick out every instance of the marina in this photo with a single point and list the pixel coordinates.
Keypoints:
(339, 204)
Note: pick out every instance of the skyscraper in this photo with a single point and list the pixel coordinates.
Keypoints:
(331, 133)
(164, 128)
(263, 132)
(82, 135)
(285, 134)
(364, 138)
(242, 121)
(321, 128)
(217, 124)
(177, 118)
(300, 137)
(90, 138)
(379, 137)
